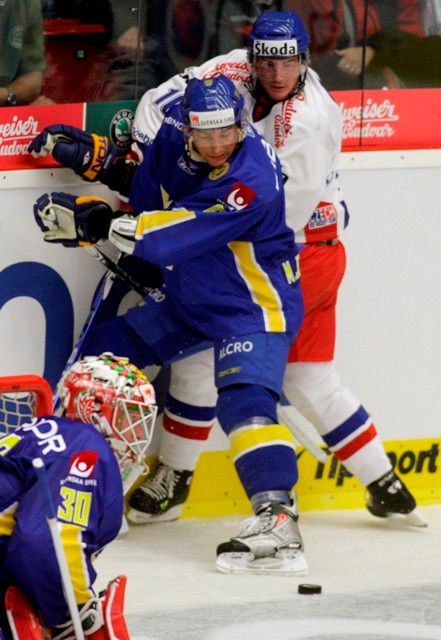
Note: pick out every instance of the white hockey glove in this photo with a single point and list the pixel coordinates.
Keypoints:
(73, 221)
(122, 232)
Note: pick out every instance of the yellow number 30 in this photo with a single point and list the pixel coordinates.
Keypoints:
(75, 507)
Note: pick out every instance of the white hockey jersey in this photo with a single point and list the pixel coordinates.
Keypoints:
(305, 131)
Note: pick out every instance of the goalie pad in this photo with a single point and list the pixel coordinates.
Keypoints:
(113, 610)
(102, 619)
(25, 624)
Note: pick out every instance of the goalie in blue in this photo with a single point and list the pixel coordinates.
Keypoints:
(109, 413)
(209, 210)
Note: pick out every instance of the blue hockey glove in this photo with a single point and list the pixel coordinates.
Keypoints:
(73, 221)
(88, 154)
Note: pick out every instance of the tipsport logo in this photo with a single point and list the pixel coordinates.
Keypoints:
(408, 462)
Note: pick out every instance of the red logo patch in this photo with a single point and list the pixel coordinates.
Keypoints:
(240, 196)
(83, 464)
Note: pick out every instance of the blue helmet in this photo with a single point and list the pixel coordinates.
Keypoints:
(278, 34)
(211, 103)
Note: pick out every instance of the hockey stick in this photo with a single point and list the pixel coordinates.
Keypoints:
(66, 580)
(115, 268)
(100, 295)
(300, 427)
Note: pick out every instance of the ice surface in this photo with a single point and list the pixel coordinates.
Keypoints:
(379, 582)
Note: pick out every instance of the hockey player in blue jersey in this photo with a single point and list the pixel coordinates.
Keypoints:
(210, 213)
(106, 401)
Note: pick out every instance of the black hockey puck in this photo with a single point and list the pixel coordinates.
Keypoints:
(309, 589)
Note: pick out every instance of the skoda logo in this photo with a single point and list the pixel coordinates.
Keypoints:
(121, 128)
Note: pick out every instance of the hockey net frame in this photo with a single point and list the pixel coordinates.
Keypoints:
(23, 397)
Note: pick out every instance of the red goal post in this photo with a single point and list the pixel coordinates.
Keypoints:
(23, 397)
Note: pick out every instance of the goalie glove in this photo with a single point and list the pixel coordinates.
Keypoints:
(73, 221)
(87, 154)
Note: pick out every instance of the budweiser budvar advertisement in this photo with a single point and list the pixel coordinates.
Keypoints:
(373, 120)
(19, 125)
(378, 120)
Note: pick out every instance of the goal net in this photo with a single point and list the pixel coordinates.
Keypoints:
(21, 398)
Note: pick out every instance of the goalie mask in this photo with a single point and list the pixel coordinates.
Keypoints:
(117, 398)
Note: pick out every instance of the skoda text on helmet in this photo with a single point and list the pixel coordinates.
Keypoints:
(212, 103)
(280, 34)
(117, 398)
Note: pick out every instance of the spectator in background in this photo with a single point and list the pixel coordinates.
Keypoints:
(139, 59)
(153, 40)
(339, 29)
(415, 60)
(22, 53)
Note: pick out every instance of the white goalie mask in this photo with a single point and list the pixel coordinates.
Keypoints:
(117, 398)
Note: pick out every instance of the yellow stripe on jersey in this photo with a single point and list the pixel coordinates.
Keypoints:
(166, 200)
(259, 285)
(76, 561)
(255, 436)
(8, 442)
(155, 220)
(7, 520)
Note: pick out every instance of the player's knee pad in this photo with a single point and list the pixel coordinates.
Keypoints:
(315, 389)
(238, 403)
(310, 385)
(192, 379)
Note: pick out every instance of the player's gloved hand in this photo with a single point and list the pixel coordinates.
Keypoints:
(122, 231)
(73, 221)
(86, 153)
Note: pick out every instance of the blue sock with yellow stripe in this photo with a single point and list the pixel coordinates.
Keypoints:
(262, 450)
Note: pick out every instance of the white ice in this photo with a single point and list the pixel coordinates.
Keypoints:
(378, 581)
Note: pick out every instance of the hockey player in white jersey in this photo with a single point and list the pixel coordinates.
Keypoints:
(288, 105)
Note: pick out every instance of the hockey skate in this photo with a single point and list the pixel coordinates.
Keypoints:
(267, 543)
(388, 497)
(161, 497)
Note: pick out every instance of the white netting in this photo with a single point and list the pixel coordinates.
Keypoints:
(21, 398)
(15, 409)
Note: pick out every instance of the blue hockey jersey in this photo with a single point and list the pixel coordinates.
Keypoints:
(228, 257)
(78, 460)
(86, 490)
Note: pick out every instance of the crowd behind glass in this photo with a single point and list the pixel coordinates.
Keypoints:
(105, 50)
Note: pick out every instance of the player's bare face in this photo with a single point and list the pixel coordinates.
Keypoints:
(216, 145)
(278, 76)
